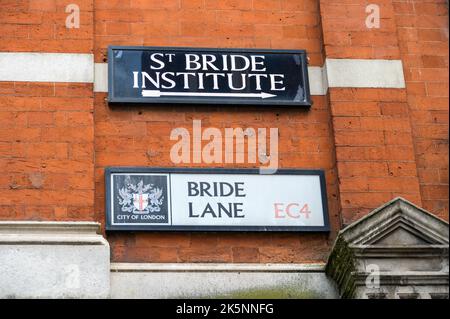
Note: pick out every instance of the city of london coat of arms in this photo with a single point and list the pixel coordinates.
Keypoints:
(140, 198)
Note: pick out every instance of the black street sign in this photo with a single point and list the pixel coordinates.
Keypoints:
(208, 76)
(213, 199)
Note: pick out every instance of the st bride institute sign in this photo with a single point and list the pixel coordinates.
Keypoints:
(212, 76)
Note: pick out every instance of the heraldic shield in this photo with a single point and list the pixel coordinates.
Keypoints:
(140, 198)
(140, 201)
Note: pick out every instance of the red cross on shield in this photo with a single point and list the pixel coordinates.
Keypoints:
(140, 201)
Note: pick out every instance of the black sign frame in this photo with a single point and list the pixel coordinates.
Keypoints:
(136, 170)
(307, 102)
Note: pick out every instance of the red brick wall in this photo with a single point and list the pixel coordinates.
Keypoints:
(39, 26)
(422, 28)
(128, 135)
(374, 150)
(46, 151)
(46, 129)
(346, 35)
(391, 142)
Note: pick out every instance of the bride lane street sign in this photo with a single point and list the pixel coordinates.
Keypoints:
(212, 76)
(186, 199)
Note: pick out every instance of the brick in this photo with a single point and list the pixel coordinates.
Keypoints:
(117, 28)
(394, 109)
(271, 5)
(394, 184)
(40, 212)
(353, 184)
(68, 134)
(355, 109)
(152, 29)
(359, 138)
(66, 104)
(193, 4)
(356, 169)
(205, 255)
(228, 4)
(20, 17)
(295, 6)
(364, 199)
(432, 131)
(245, 255)
(416, 88)
(47, 150)
(22, 134)
(437, 89)
(35, 89)
(244, 240)
(42, 5)
(150, 4)
(402, 169)
(40, 119)
(121, 129)
(432, 61)
(435, 192)
(400, 153)
(81, 151)
(79, 212)
(431, 35)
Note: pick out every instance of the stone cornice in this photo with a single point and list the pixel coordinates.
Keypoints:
(422, 249)
(50, 233)
(424, 278)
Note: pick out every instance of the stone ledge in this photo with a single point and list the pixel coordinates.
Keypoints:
(214, 267)
(419, 251)
(242, 281)
(50, 233)
(53, 260)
